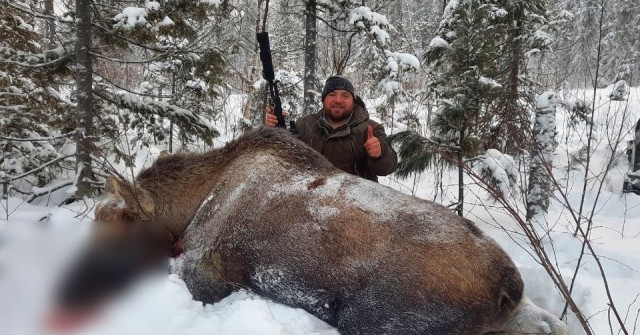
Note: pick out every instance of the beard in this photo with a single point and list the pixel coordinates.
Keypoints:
(337, 113)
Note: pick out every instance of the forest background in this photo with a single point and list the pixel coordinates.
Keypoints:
(464, 85)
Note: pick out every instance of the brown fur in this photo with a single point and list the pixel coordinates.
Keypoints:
(268, 213)
(191, 176)
(316, 183)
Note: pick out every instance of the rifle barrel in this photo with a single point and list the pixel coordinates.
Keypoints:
(269, 75)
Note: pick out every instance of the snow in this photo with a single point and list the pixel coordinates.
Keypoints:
(37, 241)
(389, 87)
(196, 84)
(491, 83)
(152, 5)
(546, 100)
(439, 42)
(502, 168)
(403, 60)
(451, 6)
(397, 63)
(366, 14)
(544, 37)
(211, 2)
(130, 17)
(363, 17)
(23, 25)
(168, 299)
(392, 66)
(619, 91)
(566, 15)
(167, 21)
(532, 52)
(381, 36)
(500, 12)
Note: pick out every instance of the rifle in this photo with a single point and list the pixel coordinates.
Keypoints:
(269, 76)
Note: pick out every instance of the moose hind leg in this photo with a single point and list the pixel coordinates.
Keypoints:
(204, 277)
(385, 315)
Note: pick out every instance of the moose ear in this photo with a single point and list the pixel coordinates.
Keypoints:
(141, 201)
(137, 199)
(113, 186)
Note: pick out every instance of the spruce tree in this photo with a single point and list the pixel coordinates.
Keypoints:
(478, 63)
(183, 34)
(35, 114)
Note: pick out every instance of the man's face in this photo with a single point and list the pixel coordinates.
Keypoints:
(338, 105)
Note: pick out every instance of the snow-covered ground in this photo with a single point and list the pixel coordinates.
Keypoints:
(36, 241)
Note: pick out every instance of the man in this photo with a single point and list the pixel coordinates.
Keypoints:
(343, 132)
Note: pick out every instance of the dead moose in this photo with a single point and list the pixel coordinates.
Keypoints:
(270, 214)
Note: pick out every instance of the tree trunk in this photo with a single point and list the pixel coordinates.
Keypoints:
(84, 93)
(310, 52)
(173, 94)
(246, 111)
(50, 31)
(460, 206)
(513, 117)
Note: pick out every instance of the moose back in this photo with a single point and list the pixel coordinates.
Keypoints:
(269, 214)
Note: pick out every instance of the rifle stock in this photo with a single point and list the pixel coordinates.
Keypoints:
(269, 75)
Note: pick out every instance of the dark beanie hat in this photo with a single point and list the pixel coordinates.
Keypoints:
(337, 83)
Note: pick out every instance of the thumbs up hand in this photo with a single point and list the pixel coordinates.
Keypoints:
(372, 145)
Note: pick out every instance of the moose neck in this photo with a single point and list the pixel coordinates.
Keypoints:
(180, 183)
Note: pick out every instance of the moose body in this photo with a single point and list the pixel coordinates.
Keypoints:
(270, 214)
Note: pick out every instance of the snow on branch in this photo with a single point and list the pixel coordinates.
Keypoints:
(191, 123)
(397, 64)
(372, 23)
(22, 24)
(134, 16)
(544, 134)
(51, 57)
(398, 61)
(619, 91)
(543, 38)
(49, 163)
(439, 42)
(499, 169)
(489, 82)
(130, 17)
(39, 191)
(38, 139)
(545, 126)
(26, 8)
(211, 2)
